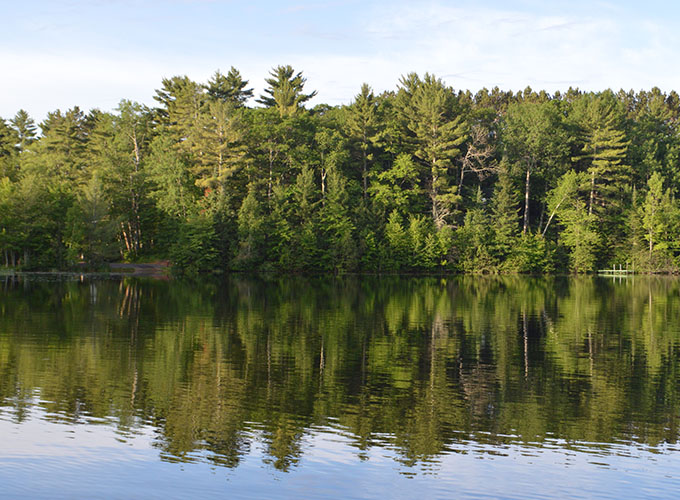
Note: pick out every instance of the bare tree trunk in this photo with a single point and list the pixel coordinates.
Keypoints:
(126, 239)
(592, 193)
(365, 170)
(525, 227)
(269, 182)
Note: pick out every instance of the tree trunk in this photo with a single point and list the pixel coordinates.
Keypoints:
(592, 193)
(365, 170)
(526, 202)
(436, 216)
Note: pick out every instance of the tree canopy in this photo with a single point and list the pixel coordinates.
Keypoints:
(423, 178)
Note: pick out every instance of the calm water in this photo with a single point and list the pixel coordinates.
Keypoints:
(340, 388)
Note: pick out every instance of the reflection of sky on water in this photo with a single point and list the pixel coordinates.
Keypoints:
(40, 458)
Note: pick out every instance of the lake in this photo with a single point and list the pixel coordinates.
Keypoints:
(350, 387)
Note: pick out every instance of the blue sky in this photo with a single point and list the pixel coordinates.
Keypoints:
(93, 53)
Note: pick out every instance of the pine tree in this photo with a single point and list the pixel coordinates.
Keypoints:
(437, 133)
(657, 212)
(397, 243)
(579, 235)
(336, 225)
(251, 232)
(230, 88)
(25, 128)
(284, 91)
(219, 147)
(61, 153)
(603, 149)
(362, 121)
(505, 219)
(8, 150)
(182, 101)
(398, 188)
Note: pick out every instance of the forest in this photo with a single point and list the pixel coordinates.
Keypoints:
(423, 178)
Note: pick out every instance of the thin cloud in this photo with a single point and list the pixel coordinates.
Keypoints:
(470, 47)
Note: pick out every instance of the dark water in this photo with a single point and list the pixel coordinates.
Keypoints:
(340, 388)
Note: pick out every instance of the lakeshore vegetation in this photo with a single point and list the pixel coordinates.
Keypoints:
(423, 178)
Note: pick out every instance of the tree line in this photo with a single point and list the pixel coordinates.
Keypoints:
(419, 179)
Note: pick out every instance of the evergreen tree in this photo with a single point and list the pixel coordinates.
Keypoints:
(657, 213)
(25, 128)
(336, 227)
(475, 239)
(182, 101)
(397, 243)
(398, 187)
(220, 149)
(230, 88)
(172, 186)
(61, 153)
(505, 219)
(8, 150)
(438, 133)
(603, 149)
(251, 232)
(362, 121)
(285, 91)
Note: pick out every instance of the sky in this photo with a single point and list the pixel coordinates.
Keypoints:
(56, 54)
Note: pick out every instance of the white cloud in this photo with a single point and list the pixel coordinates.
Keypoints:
(470, 48)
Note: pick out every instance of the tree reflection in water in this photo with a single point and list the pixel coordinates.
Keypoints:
(419, 365)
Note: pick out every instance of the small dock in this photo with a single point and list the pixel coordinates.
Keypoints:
(618, 272)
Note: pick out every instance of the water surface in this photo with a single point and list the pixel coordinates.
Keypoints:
(469, 387)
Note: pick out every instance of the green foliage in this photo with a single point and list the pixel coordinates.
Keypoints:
(195, 250)
(568, 182)
(505, 219)
(284, 91)
(532, 254)
(25, 128)
(397, 243)
(91, 230)
(336, 226)
(230, 88)
(436, 132)
(537, 143)
(8, 150)
(397, 187)
(172, 187)
(659, 216)
(475, 240)
(580, 235)
(362, 129)
(251, 232)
